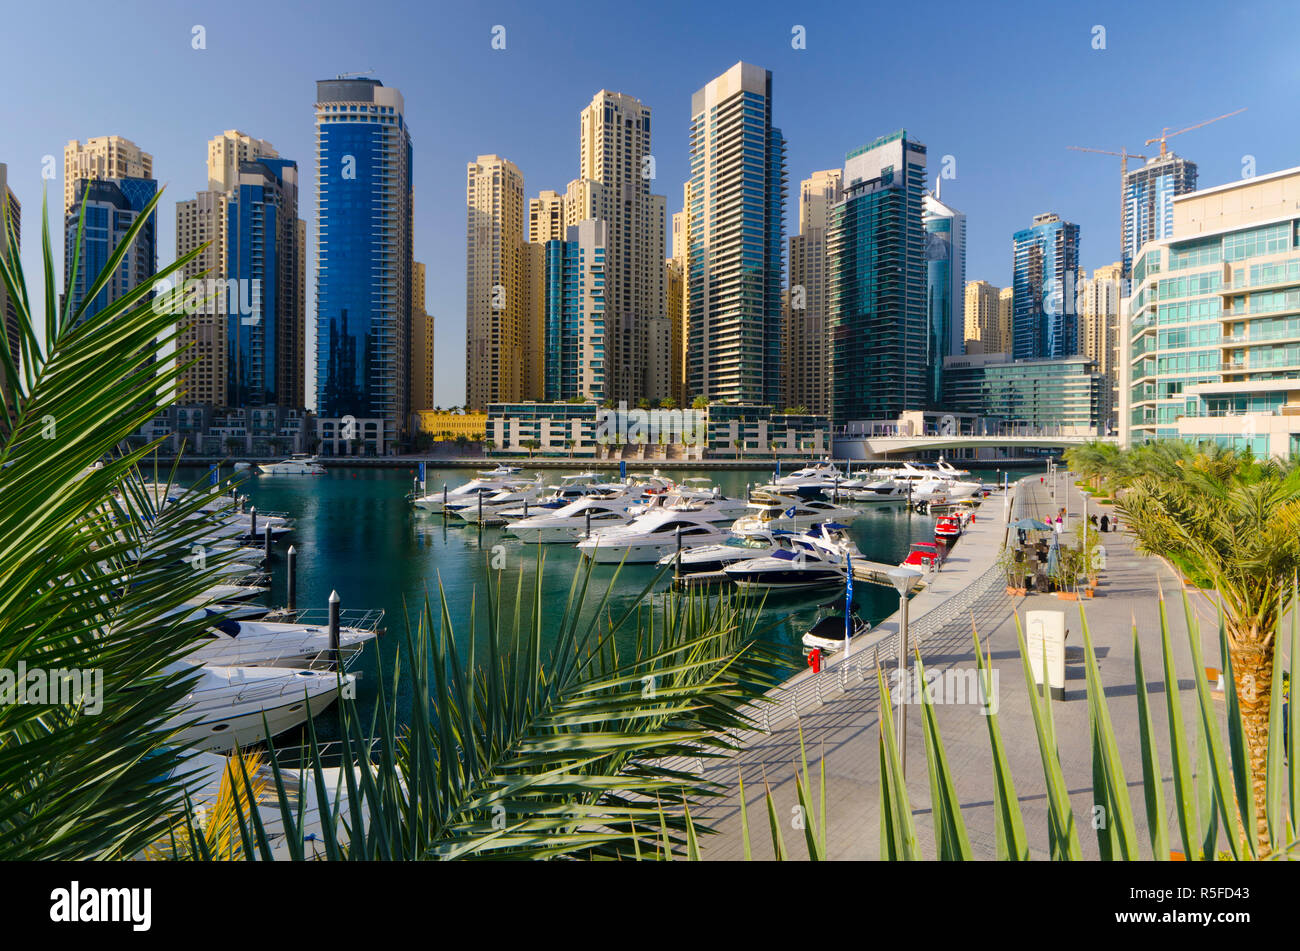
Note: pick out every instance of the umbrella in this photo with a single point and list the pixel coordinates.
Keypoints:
(1028, 523)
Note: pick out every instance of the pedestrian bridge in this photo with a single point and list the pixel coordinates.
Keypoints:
(877, 447)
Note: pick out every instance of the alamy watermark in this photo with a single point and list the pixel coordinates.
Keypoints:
(951, 687)
(210, 297)
(60, 687)
(655, 426)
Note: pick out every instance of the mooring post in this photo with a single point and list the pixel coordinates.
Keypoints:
(292, 579)
(334, 629)
(266, 544)
(253, 528)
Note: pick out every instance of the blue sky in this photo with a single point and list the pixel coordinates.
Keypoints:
(1001, 87)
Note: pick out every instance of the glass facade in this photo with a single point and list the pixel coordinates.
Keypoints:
(111, 207)
(1148, 201)
(1044, 325)
(575, 315)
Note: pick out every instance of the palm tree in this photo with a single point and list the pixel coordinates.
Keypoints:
(1231, 524)
(700, 402)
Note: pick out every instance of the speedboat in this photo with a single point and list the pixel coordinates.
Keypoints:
(702, 559)
(226, 705)
(948, 528)
(796, 517)
(571, 522)
(828, 630)
(923, 555)
(649, 537)
(298, 464)
(242, 643)
(805, 565)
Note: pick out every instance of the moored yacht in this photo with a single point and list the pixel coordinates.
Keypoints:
(570, 523)
(649, 537)
(795, 517)
(300, 463)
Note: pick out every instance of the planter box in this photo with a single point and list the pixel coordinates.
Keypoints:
(1017, 592)
(1068, 595)
(1088, 593)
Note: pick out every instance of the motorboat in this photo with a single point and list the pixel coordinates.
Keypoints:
(810, 480)
(570, 523)
(876, 492)
(952, 472)
(827, 633)
(300, 463)
(225, 706)
(232, 592)
(649, 537)
(923, 555)
(491, 509)
(806, 564)
(795, 517)
(244, 643)
(489, 482)
(948, 528)
(704, 559)
(834, 537)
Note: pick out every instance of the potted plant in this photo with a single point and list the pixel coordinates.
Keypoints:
(1014, 570)
(1067, 574)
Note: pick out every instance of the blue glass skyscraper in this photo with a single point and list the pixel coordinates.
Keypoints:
(364, 254)
(1148, 197)
(111, 207)
(1045, 263)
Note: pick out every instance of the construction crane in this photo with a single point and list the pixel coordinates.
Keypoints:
(1124, 155)
(366, 72)
(1166, 134)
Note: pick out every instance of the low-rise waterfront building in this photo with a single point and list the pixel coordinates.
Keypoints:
(1068, 396)
(203, 430)
(441, 424)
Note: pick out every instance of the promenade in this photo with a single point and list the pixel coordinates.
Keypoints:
(837, 709)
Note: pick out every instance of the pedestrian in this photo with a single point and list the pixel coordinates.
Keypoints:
(1105, 523)
(1060, 526)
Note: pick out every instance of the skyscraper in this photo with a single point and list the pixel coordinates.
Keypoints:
(983, 319)
(807, 366)
(613, 185)
(422, 348)
(498, 296)
(878, 283)
(945, 283)
(111, 206)
(364, 258)
(1148, 202)
(734, 224)
(1099, 300)
(102, 157)
(1045, 261)
(575, 313)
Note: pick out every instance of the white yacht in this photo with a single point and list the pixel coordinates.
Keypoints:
(489, 509)
(794, 517)
(806, 565)
(298, 464)
(226, 705)
(243, 643)
(569, 523)
(810, 480)
(703, 559)
(649, 537)
(489, 482)
(879, 492)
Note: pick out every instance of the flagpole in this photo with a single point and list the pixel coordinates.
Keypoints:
(848, 604)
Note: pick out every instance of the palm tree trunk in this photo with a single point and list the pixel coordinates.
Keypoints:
(1252, 664)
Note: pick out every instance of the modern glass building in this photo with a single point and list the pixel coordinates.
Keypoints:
(264, 362)
(1211, 333)
(1045, 262)
(735, 217)
(575, 313)
(1148, 203)
(878, 274)
(1069, 395)
(945, 289)
(111, 207)
(364, 253)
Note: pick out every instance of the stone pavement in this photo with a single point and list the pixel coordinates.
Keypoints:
(843, 729)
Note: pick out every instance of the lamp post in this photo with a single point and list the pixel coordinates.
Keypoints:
(903, 579)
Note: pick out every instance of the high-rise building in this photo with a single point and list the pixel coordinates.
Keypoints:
(735, 215)
(246, 339)
(1006, 300)
(575, 313)
(102, 157)
(1210, 330)
(676, 326)
(614, 179)
(11, 219)
(878, 272)
(364, 257)
(1148, 202)
(1099, 299)
(945, 283)
(1045, 260)
(983, 319)
(807, 350)
(498, 296)
(422, 344)
(111, 206)
(546, 217)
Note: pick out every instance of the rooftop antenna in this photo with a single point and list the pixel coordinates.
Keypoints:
(366, 72)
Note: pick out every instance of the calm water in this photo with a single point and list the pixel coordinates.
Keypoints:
(357, 534)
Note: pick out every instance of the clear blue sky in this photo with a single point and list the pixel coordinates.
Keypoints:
(1002, 87)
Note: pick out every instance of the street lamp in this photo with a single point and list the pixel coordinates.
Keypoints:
(903, 579)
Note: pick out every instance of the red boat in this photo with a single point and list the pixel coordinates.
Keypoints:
(948, 527)
(923, 554)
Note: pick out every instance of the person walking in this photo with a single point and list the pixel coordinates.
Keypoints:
(1060, 525)
(1105, 523)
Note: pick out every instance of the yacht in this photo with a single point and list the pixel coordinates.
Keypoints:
(242, 643)
(810, 480)
(489, 482)
(570, 523)
(828, 630)
(490, 509)
(806, 565)
(298, 464)
(794, 517)
(877, 492)
(952, 472)
(649, 537)
(702, 559)
(226, 705)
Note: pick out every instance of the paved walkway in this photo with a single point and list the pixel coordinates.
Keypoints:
(843, 728)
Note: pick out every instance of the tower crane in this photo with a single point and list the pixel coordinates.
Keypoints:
(1166, 134)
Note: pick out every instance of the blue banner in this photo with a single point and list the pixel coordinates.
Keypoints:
(212, 475)
(622, 468)
(421, 473)
(848, 597)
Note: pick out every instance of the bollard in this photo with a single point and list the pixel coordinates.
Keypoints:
(677, 565)
(252, 533)
(292, 579)
(836, 494)
(525, 506)
(266, 553)
(334, 629)
(444, 498)
(587, 513)
(480, 509)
